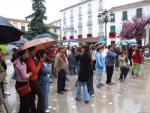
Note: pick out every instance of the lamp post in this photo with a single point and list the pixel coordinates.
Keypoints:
(103, 17)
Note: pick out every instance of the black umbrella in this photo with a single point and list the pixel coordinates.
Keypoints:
(8, 33)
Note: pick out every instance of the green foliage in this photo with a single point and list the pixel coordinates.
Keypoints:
(37, 26)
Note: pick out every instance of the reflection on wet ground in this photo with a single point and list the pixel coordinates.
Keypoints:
(132, 96)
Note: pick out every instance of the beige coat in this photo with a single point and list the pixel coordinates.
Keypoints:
(60, 63)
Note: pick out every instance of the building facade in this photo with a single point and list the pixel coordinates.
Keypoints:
(127, 12)
(19, 23)
(54, 27)
(80, 21)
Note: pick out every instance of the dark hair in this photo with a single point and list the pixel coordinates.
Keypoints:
(31, 49)
(20, 54)
(109, 46)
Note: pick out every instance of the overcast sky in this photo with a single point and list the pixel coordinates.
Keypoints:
(19, 9)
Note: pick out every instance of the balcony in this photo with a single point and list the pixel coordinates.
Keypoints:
(79, 36)
(89, 23)
(64, 38)
(89, 35)
(71, 37)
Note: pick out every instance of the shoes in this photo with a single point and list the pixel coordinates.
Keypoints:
(86, 101)
(65, 90)
(47, 111)
(111, 83)
(60, 92)
(50, 107)
(77, 99)
(135, 77)
(101, 84)
(92, 95)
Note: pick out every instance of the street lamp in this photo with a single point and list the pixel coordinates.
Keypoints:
(103, 17)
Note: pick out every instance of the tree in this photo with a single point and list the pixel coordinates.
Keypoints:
(135, 28)
(37, 26)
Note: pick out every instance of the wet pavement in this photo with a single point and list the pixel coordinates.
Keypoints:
(132, 96)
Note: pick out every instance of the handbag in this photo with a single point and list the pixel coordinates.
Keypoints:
(24, 90)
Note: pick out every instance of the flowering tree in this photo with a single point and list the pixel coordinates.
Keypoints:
(134, 28)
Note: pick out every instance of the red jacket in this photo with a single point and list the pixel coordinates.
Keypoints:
(33, 67)
(137, 58)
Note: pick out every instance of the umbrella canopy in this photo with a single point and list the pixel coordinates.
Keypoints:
(21, 41)
(8, 33)
(40, 43)
(45, 36)
(9, 48)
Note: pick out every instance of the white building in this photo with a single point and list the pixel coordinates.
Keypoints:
(127, 12)
(80, 21)
(54, 27)
(19, 23)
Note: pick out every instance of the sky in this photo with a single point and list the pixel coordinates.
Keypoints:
(19, 9)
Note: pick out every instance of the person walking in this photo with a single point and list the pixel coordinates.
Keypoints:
(137, 59)
(61, 69)
(22, 79)
(34, 66)
(110, 60)
(85, 72)
(100, 65)
(124, 66)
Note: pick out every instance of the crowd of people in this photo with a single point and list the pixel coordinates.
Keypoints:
(33, 70)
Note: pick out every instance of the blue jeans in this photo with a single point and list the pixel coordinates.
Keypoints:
(98, 76)
(86, 95)
(45, 90)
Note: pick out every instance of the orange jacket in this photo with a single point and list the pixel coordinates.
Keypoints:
(33, 67)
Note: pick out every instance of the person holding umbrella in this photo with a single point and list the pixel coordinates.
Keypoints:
(34, 66)
(22, 79)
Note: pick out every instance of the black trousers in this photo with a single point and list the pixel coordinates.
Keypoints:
(36, 90)
(123, 73)
(109, 72)
(24, 100)
(61, 80)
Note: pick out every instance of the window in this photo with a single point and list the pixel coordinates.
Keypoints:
(89, 23)
(23, 28)
(112, 28)
(100, 5)
(90, 30)
(112, 17)
(72, 33)
(89, 9)
(64, 18)
(80, 11)
(124, 15)
(101, 30)
(71, 14)
(80, 22)
(80, 31)
(139, 12)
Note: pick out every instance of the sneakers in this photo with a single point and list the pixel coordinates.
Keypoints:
(50, 107)
(47, 111)
(86, 101)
